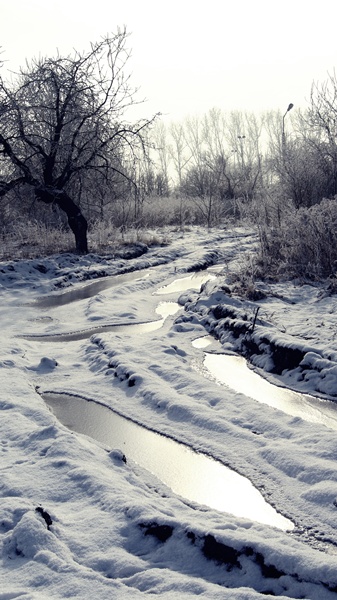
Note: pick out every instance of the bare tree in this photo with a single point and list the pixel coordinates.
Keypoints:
(322, 120)
(177, 150)
(161, 147)
(300, 164)
(61, 119)
(244, 132)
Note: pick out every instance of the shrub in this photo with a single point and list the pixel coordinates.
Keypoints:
(303, 244)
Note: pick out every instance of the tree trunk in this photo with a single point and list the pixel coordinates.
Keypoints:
(79, 226)
(76, 220)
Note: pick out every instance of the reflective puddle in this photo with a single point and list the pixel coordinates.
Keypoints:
(88, 290)
(82, 292)
(164, 309)
(191, 475)
(203, 342)
(234, 372)
(193, 281)
(167, 309)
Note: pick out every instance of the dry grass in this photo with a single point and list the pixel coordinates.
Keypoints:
(43, 235)
(32, 240)
(303, 244)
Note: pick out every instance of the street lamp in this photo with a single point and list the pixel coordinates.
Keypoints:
(241, 138)
(284, 116)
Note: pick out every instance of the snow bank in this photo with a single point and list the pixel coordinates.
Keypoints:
(76, 519)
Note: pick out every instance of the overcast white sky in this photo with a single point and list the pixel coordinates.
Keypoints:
(188, 55)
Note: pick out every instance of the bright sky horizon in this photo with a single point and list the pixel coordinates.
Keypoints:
(188, 56)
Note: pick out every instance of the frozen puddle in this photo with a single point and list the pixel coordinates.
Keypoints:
(164, 310)
(191, 475)
(234, 372)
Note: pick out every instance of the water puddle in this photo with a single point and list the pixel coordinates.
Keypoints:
(193, 476)
(203, 342)
(164, 309)
(83, 334)
(88, 290)
(193, 281)
(234, 372)
(167, 309)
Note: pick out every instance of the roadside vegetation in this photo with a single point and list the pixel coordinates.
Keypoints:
(77, 175)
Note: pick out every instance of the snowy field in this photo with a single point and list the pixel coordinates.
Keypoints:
(105, 526)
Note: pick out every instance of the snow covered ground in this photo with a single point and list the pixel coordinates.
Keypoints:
(105, 527)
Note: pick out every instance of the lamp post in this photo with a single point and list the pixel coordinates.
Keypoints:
(241, 138)
(284, 116)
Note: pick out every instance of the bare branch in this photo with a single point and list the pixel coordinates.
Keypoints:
(63, 118)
